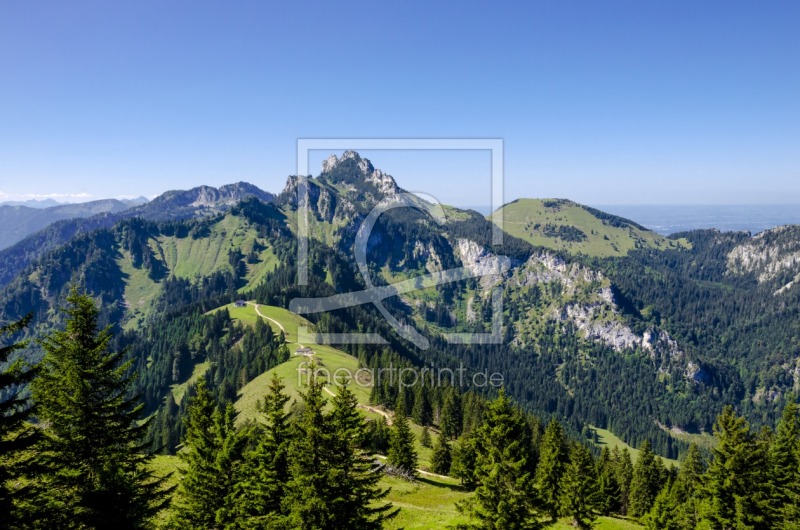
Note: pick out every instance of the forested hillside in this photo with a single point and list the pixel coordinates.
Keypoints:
(314, 451)
(644, 336)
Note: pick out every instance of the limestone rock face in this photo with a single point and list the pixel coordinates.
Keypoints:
(772, 255)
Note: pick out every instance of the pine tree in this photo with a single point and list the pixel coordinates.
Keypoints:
(378, 435)
(662, 515)
(505, 497)
(264, 476)
(212, 451)
(452, 416)
(579, 489)
(553, 459)
(425, 439)
(735, 478)
(423, 411)
(623, 471)
(16, 437)
(311, 489)
(356, 496)
(784, 457)
(607, 485)
(646, 482)
(684, 495)
(402, 454)
(465, 455)
(442, 458)
(96, 467)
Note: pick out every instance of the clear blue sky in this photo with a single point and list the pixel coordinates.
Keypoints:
(602, 102)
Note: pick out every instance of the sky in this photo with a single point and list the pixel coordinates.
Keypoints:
(614, 102)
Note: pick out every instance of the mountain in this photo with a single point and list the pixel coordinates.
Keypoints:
(136, 201)
(197, 202)
(564, 225)
(603, 323)
(173, 205)
(21, 221)
(33, 203)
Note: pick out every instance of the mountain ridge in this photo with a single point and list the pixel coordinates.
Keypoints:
(647, 327)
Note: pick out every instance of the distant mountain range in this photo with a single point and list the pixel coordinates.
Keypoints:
(48, 203)
(604, 322)
(29, 233)
(20, 221)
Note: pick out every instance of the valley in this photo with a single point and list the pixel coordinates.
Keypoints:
(633, 342)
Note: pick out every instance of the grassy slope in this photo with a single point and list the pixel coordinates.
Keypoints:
(608, 439)
(428, 503)
(602, 239)
(190, 258)
(140, 290)
(178, 391)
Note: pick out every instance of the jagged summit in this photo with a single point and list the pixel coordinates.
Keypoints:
(352, 170)
(346, 185)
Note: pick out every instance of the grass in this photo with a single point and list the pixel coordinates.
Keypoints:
(178, 391)
(702, 440)
(186, 257)
(609, 439)
(248, 315)
(602, 239)
(602, 523)
(425, 504)
(428, 503)
(329, 360)
(140, 290)
(191, 258)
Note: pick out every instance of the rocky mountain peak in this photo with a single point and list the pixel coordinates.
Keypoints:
(353, 170)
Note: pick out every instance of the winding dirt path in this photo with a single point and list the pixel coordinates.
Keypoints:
(268, 318)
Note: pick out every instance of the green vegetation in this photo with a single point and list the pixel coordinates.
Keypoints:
(606, 438)
(15, 436)
(178, 391)
(564, 225)
(93, 466)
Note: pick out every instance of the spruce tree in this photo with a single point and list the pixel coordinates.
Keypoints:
(684, 495)
(355, 494)
(735, 481)
(16, 436)
(212, 450)
(662, 515)
(646, 482)
(465, 454)
(378, 435)
(264, 476)
(310, 488)
(96, 467)
(425, 439)
(623, 471)
(423, 411)
(442, 458)
(607, 485)
(505, 497)
(579, 489)
(402, 454)
(553, 459)
(451, 419)
(784, 457)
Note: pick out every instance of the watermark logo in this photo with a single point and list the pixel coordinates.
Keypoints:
(373, 294)
(405, 377)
